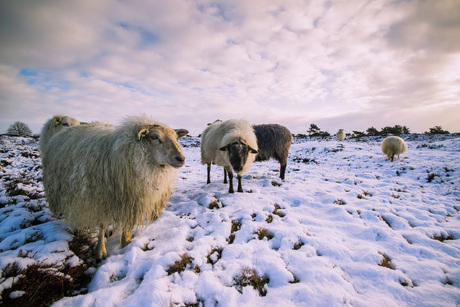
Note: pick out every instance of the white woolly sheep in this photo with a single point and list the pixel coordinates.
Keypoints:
(53, 126)
(393, 145)
(340, 135)
(231, 144)
(273, 141)
(98, 175)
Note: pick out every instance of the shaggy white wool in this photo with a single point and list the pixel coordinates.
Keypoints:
(393, 145)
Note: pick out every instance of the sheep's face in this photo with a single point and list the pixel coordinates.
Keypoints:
(238, 152)
(60, 122)
(162, 146)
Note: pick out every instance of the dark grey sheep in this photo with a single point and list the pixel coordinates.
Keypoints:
(274, 142)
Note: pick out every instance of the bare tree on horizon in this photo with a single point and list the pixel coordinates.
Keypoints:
(19, 129)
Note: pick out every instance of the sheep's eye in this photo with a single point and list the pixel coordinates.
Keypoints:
(156, 138)
(250, 151)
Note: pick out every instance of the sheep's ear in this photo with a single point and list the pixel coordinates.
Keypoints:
(252, 150)
(56, 121)
(224, 148)
(181, 133)
(142, 134)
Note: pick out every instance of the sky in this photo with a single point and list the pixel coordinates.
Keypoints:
(337, 64)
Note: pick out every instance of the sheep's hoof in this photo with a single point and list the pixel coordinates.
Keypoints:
(124, 243)
(125, 239)
(101, 255)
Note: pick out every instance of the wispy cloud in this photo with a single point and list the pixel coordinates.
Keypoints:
(341, 64)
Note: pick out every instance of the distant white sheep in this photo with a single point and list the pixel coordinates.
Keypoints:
(393, 145)
(273, 141)
(231, 144)
(340, 135)
(53, 126)
(98, 175)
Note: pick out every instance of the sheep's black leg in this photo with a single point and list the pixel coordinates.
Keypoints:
(225, 176)
(209, 173)
(282, 171)
(392, 157)
(230, 181)
(240, 189)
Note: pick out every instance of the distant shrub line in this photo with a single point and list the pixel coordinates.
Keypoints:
(315, 131)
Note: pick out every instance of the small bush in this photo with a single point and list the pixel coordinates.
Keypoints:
(437, 130)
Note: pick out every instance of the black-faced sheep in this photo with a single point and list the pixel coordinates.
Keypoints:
(231, 144)
(53, 126)
(340, 135)
(393, 145)
(98, 175)
(273, 141)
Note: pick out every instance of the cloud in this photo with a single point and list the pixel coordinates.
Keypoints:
(188, 63)
(49, 34)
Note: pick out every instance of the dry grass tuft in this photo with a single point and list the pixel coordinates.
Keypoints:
(42, 284)
(276, 212)
(214, 204)
(249, 277)
(298, 245)
(443, 237)
(180, 265)
(236, 225)
(276, 184)
(386, 261)
(218, 252)
(264, 233)
(269, 219)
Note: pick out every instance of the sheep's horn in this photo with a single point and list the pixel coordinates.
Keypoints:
(141, 135)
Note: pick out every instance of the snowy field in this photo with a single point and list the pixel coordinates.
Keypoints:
(347, 227)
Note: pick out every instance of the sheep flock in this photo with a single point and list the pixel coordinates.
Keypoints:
(99, 175)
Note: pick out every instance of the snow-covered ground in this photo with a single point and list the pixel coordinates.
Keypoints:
(346, 227)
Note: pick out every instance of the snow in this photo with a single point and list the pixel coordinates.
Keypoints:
(346, 227)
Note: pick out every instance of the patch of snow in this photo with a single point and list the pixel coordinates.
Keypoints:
(346, 227)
